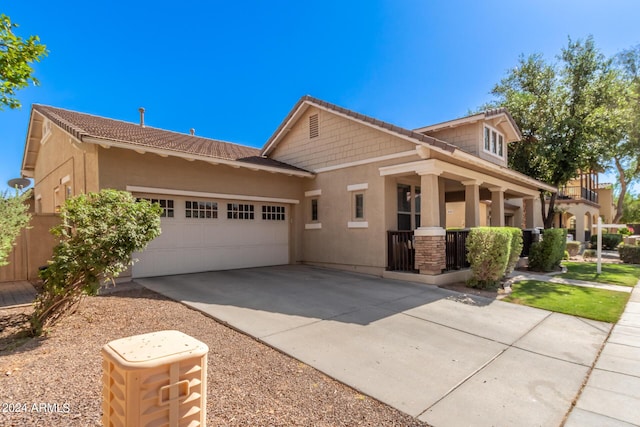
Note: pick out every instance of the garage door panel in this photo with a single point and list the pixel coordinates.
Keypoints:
(189, 245)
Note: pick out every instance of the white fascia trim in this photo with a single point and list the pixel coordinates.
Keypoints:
(368, 161)
(166, 153)
(313, 226)
(358, 224)
(173, 192)
(313, 193)
(358, 187)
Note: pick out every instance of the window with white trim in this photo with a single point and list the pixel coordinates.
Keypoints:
(358, 206)
(314, 210)
(273, 213)
(493, 141)
(240, 211)
(200, 209)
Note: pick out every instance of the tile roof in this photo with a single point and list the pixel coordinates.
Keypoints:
(83, 125)
(419, 137)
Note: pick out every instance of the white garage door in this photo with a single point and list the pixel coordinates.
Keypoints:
(206, 234)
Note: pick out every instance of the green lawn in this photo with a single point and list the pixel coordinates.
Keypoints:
(592, 303)
(613, 274)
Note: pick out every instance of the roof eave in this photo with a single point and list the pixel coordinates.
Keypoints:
(109, 143)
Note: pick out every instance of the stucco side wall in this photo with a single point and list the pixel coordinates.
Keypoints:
(607, 207)
(120, 168)
(62, 156)
(335, 243)
(339, 141)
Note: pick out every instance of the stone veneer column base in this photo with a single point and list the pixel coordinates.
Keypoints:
(430, 254)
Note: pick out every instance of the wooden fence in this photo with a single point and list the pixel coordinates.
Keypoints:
(33, 249)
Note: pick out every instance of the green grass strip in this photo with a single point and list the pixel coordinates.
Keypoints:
(591, 303)
(613, 274)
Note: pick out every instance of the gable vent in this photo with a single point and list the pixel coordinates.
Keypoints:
(313, 126)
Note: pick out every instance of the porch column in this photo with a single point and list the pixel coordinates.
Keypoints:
(529, 213)
(471, 203)
(497, 206)
(443, 203)
(580, 226)
(430, 243)
(430, 203)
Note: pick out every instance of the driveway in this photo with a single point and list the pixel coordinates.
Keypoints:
(444, 357)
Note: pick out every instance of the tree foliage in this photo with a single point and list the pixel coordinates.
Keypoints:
(14, 217)
(631, 210)
(16, 56)
(622, 130)
(98, 233)
(559, 110)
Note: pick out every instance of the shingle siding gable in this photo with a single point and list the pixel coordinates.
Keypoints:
(340, 140)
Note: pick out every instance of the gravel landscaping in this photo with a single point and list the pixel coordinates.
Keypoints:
(249, 384)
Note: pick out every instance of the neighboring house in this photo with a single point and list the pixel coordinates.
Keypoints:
(330, 187)
(581, 202)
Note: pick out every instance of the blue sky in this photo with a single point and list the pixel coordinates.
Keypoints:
(233, 70)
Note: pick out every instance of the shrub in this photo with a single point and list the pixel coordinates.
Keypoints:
(488, 253)
(13, 218)
(624, 231)
(609, 240)
(516, 248)
(98, 233)
(629, 254)
(573, 248)
(547, 254)
(566, 256)
(589, 254)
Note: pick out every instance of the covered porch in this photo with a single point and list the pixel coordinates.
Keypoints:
(432, 204)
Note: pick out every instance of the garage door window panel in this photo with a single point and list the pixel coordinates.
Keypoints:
(240, 211)
(273, 213)
(200, 209)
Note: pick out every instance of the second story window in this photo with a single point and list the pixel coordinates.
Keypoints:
(493, 142)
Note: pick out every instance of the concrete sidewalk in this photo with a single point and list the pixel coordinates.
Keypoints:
(449, 359)
(612, 394)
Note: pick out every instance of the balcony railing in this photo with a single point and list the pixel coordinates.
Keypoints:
(577, 193)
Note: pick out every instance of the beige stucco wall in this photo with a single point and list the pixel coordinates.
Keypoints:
(339, 141)
(585, 217)
(60, 156)
(456, 215)
(120, 168)
(607, 208)
(336, 243)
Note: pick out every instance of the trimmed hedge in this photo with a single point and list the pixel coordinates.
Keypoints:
(516, 248)
(547, 254)
(491, 251)
(629, 254)
(609, 240)
(573, 248)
